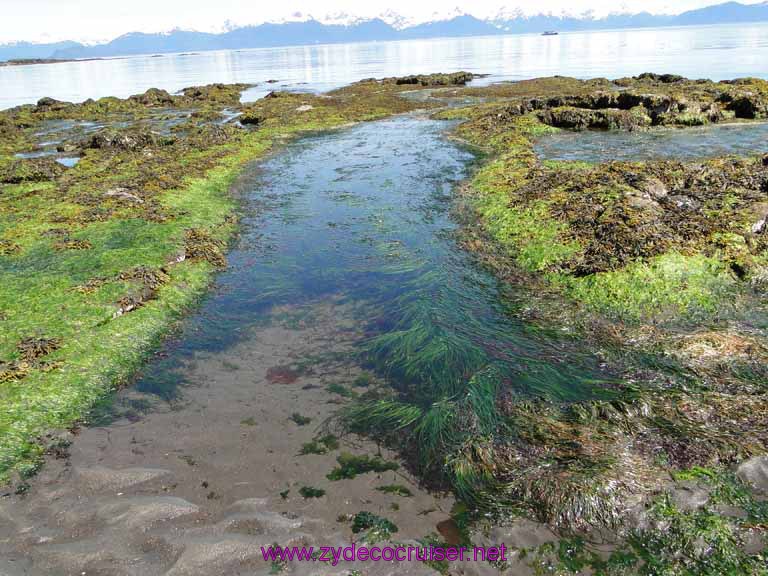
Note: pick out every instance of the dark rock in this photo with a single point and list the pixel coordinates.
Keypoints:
(627, 100)
(748, 105)
(129, 140)
(153, 97)
(50, 105)
(602, 100)
(31, 170)
(595, 101)
(455, 79)
(670, 78)
(213, 135)
(568, 117)
(216, 93)
(251, 119)
(765, 160)
(663, 78)
(583, 118)
(656, 105)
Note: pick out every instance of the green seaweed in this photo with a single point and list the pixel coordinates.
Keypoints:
(373, 528)
(299, 420)
(308, 492)
(350, 466)
(396, 489)
(341, 390)
(320, 445)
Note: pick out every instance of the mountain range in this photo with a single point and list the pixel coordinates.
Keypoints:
(312, 31)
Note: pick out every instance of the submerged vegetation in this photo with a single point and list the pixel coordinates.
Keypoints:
(661, 264)
(114, 215)
(351, 466)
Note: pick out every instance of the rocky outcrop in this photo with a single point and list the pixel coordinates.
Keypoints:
(455, 79)
(251, 119)
(627, 110)
(121, 140)
(582, 118)
(51, 105)
(154, 97)
(31, 170)
(746, 105)
(228, 94)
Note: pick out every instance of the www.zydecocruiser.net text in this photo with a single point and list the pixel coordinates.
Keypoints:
(337, 554)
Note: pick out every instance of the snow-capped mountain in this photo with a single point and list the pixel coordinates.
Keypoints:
(397, 20)
(303, 28)
(341, 19)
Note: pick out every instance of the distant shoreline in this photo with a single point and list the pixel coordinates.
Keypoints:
(36, 61)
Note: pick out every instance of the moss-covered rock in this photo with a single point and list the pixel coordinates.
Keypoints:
(30, 170)
(431, 80)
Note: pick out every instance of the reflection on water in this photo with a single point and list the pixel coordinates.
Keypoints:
(716, 52)
(705, 142)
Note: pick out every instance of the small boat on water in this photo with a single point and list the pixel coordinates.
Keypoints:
(550, 33)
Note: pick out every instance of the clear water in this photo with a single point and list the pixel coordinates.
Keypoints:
(716, 52)
(705, 142)
(362, 215)
(69, 162)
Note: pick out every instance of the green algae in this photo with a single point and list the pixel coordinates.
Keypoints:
(135, 200)
(670, 285)
(372, 528)
(308, 492)
(299, 419)
(396, 489)
(340, 389)
(351, 465)
(320, 445)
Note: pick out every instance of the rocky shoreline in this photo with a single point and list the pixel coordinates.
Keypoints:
(666, 258)
(661, 264)
(37, 61)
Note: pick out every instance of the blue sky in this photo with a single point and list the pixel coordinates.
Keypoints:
(96, 20)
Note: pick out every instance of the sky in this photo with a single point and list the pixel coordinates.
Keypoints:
(100, 20)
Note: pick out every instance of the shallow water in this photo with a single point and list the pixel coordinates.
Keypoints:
(717, 52)
(69, 162)
(655, 144)
(346, 237)
(364, 214)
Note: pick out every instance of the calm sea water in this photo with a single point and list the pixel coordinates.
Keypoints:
(716, 52)
(660, 143)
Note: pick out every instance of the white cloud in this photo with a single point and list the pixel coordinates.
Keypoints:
(96, 20)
